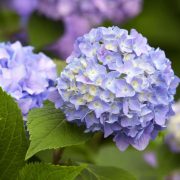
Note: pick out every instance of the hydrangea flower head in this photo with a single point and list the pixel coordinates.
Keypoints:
(116, 83)
(83, 15)
(173, 137)
(26, 76)
(95, 11)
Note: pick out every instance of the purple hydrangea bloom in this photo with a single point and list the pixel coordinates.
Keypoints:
(118, 10)
(95, 11)
(173, 137)
(83, 15)
(26, 76)
(113, 83)
(60, 9)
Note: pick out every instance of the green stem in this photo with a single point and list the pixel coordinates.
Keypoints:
(57, 154)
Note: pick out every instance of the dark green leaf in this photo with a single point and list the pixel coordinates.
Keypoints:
(49, 130)
(13, 143)
(50, 172)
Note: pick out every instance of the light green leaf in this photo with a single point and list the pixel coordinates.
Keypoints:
(43, 31)
(13, 143)
(49, 130)
(41, 171)
(93, 172)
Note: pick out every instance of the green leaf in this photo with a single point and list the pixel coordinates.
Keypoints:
(13, 143)
(43, 31)
(41, 171)
(49, 130)
(93, 172)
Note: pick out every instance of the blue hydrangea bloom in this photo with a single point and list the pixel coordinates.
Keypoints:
(26, 76)
(116, 83)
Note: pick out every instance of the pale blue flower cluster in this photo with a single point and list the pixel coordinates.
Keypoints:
(26, 76)
(116, 83)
